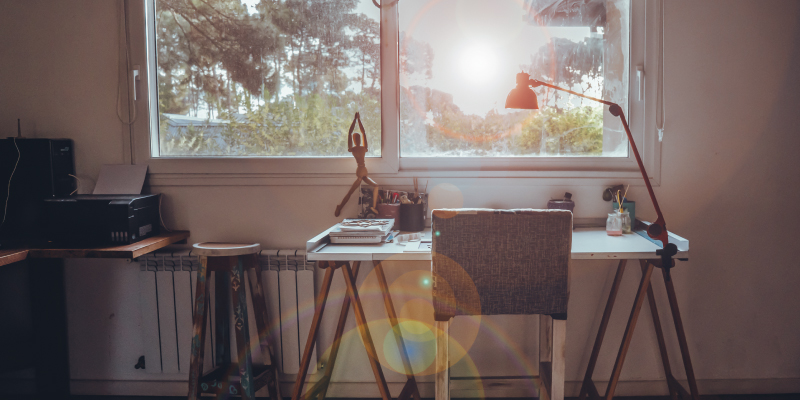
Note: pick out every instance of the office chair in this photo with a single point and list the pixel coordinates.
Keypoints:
(490, 262)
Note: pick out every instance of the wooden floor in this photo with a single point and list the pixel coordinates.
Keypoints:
(794, 396)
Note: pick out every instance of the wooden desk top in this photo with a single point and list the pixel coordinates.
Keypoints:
(128, 251)
(587, 244)
(12, 256)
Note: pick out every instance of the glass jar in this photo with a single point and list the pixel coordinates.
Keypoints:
(614, 224)
(625, 219)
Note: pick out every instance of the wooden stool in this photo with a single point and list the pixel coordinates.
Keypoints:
(230, 379)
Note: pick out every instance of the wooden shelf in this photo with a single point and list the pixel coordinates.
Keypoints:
(128, 251)
(12, 256)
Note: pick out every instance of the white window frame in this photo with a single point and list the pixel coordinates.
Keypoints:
(645, 18)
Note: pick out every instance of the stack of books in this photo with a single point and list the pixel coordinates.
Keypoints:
(359, 231)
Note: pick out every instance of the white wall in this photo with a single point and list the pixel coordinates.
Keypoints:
(730, 183)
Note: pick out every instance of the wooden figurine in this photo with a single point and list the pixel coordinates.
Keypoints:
(359, 151)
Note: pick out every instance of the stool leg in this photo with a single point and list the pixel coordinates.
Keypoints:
(260, 311)
(222, 331)
(199, 331)
(239, 298)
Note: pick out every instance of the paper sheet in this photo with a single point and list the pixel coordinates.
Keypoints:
(120, 179)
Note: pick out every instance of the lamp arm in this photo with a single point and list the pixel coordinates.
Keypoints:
(658, 229)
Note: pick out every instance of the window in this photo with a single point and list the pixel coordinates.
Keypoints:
(271, 86)
(265, 78)
(459, 60)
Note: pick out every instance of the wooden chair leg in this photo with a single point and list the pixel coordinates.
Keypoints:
(242, 331)
(363, 329)
(588, 385)
(559, 335)
(262, 318)
(199, 330)
(442, 378)
(319, 309)
(552, 337)
(545, 355)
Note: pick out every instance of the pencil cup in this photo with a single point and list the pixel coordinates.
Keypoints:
(412, 217)
(389, 211)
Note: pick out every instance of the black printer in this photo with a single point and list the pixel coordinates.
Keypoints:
(91, 220)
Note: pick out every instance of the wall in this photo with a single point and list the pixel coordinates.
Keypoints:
(729, 183)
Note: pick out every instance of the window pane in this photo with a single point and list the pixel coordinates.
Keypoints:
(459, 60)
(266, 77)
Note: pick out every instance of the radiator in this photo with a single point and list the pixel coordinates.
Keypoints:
(167, 284)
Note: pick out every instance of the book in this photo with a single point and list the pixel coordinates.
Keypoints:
(361, 231)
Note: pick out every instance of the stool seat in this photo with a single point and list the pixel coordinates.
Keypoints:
(213, 249)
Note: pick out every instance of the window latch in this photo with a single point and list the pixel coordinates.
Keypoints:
(640, 78)
(135, 78)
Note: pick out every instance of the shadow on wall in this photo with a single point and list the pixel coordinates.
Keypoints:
(741, 287)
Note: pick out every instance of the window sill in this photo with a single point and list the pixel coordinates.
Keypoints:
(404, 178)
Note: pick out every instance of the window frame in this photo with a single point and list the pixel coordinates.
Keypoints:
(645, 17)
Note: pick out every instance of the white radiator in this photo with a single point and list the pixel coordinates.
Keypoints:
(167, 283)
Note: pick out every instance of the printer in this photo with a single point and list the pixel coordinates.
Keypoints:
(100, 219)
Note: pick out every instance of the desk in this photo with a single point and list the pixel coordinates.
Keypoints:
(49, 337)
(587, 244)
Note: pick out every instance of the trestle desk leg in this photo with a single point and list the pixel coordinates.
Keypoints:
(319, 308)
(320, 390)
(363, 329)
(398, 335)
(588, 384)
(676, 317)
(626, 338)
(662, 346)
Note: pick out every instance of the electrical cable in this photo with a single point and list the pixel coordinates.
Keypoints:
(8, 194)
(160, 216)
(79, 184)
(122, 14)
(661, 97)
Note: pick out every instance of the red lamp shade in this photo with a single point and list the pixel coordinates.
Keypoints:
(522, 96)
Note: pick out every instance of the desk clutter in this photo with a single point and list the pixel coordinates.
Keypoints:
(407, 209)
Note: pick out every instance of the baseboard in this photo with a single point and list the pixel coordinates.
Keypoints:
(17, 386)
(491, 387)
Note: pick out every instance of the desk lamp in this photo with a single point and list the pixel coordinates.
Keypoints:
(523, 97)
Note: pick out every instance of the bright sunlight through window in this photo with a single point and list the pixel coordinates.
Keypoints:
(459, 60)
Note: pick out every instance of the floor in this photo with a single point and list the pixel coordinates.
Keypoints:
(794, 396)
